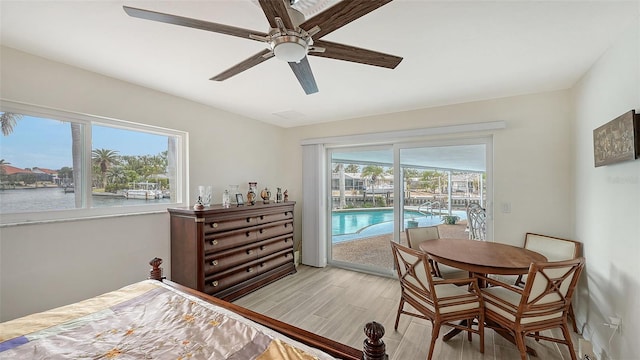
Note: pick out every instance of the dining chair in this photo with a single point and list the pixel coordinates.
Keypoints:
(554, 249)
(477, 221)
(415, 237)
(441, 301)
(542, 304)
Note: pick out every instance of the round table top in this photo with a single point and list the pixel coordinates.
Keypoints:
(483, 257)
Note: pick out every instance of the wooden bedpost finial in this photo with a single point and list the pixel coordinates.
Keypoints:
(156, 271)
(374, 347)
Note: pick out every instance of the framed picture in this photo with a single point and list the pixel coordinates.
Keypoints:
(239, 199)
(618, 140)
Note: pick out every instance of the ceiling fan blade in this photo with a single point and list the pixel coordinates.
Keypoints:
(276, 8)
(304, 74)
(192, 23)
(340, 15)
(244, 65)
(354, 54)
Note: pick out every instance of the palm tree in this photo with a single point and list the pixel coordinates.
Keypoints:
(2, 171)
(352, 168)
(8, 122)
(372, 172)
(343, 202)
(104, 158)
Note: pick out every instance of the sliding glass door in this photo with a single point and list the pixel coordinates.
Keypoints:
(440, 182)
(362, 213)
(377, 192)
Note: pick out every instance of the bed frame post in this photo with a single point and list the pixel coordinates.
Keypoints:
(374, 348)
(156, 271)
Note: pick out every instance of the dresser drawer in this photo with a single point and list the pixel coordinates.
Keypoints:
(219, 282)
(220, 261)
(214, 242)
(275, 260)
(217, 225)
(276, 244)
(277, 216)
(275, 229)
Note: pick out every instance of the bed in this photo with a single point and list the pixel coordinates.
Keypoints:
(159, 319)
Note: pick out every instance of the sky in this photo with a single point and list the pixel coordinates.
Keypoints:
(44, 143)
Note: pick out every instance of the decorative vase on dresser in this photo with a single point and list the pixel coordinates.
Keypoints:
(229, 252)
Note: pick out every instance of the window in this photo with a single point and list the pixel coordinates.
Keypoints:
(61, 165)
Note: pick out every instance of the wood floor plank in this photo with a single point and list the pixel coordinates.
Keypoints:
(337, 303)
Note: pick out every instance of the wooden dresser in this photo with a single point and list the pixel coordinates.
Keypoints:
(230, 252)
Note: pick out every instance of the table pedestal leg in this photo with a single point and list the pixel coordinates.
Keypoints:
(496, 327)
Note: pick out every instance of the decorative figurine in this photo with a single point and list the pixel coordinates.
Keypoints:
(226, 200)
(233, 193)
(251, 195)
(279, 195)
(265, 194)
(286, 195)
(199, 205)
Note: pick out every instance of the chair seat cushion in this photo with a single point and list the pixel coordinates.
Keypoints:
(449, 272)
(514, 299)
(450, 305)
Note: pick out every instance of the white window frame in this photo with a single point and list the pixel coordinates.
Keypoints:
(87, 212)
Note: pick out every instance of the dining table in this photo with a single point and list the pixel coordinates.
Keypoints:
(482, 257)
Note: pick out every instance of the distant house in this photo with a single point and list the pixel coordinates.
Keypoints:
(12, 170)
(352, 181)
(11, 174)
(43, 174)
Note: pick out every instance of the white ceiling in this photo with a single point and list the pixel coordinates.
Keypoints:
(454, 51)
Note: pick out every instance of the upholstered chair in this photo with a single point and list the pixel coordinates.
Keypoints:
(417, 235)
(542, 304)
(554, 249)
(443, 302)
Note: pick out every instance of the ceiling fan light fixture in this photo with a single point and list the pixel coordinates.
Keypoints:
(289, 48)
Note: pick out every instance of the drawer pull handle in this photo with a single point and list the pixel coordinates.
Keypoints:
(214, 262)
(285, 225)
(249, 252)
(214, 225)
(248, 233)
(262, 247)
(214, 283)
(286, 255)
(261, 231)
(248, 219)
(261, 217)
(250, 270)
(214, 242)
(261, 264)
(286, 240)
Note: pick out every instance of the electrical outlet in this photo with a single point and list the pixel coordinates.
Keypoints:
(506, 207)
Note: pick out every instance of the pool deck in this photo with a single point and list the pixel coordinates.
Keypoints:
(375, 250)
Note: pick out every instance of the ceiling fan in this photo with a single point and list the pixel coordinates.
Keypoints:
(290, 37)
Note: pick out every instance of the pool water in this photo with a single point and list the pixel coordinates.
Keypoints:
(357, 224)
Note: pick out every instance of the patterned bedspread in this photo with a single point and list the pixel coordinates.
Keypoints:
(147, 320)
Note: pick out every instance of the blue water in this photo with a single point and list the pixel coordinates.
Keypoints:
(54, 198)
(353, 225)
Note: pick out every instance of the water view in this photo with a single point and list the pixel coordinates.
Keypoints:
(54, 198)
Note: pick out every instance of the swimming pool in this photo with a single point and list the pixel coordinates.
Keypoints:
(356, 224)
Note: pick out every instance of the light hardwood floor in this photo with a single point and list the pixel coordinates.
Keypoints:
(336, 303)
